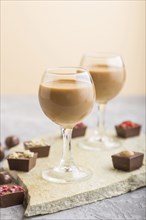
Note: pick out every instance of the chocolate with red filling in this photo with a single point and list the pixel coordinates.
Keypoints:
(11, 195)
(128, 129)
(79, 130)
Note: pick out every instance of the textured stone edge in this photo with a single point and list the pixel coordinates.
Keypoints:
(20, 182)
(130, 184)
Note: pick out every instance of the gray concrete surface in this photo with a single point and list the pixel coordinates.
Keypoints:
(21, 115)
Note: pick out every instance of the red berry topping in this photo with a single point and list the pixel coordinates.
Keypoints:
(128, 124)
(5, 189)
(80, 125)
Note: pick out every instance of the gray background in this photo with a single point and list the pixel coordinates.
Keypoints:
(22, 116)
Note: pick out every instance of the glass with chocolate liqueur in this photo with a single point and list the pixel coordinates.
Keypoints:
(108, 74)
(66, 96)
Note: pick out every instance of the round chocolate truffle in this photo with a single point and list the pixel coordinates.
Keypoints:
(2, 154)
(12, 141)
(5, 178)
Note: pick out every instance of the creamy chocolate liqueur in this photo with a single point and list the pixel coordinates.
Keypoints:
(66, 102)
(108, 81)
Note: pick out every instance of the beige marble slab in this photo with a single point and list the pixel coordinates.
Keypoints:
(106, 182)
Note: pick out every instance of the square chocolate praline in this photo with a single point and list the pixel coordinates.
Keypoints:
(79, 132)
(128, 132)
(42, 150)
(10, 195)
(128, 163)
(22, 164)
(12, 199)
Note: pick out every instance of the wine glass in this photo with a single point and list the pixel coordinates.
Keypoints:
(108, 74)
(66, 96)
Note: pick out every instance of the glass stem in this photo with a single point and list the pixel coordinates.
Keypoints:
(67, 160)
(101, 121)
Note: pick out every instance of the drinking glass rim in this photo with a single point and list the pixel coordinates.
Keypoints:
(102, 55)
(51, 69)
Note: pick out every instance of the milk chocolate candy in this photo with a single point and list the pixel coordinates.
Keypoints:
(22, 161)
(127, 160)
(39, 147)
(5, 178)
(2, 154)
(12, 141)
(11, 195)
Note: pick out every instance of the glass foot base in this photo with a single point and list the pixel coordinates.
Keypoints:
(99, 143)
(66, 175)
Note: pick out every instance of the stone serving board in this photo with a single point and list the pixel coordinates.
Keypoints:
(106, 182)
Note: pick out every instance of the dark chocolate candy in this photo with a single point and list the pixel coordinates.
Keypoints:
(5, 177)
(22, 164)
(12, 141)
(11, 195)
(127, 162)
(41, 149)
(79, 130)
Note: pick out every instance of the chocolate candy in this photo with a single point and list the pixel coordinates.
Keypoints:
(79, 130)
(12, 141)
(11, 195)
(127, 160)
(5, 177)
(128, 129)
(39, 147)
(22, 161)
(2, 154)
